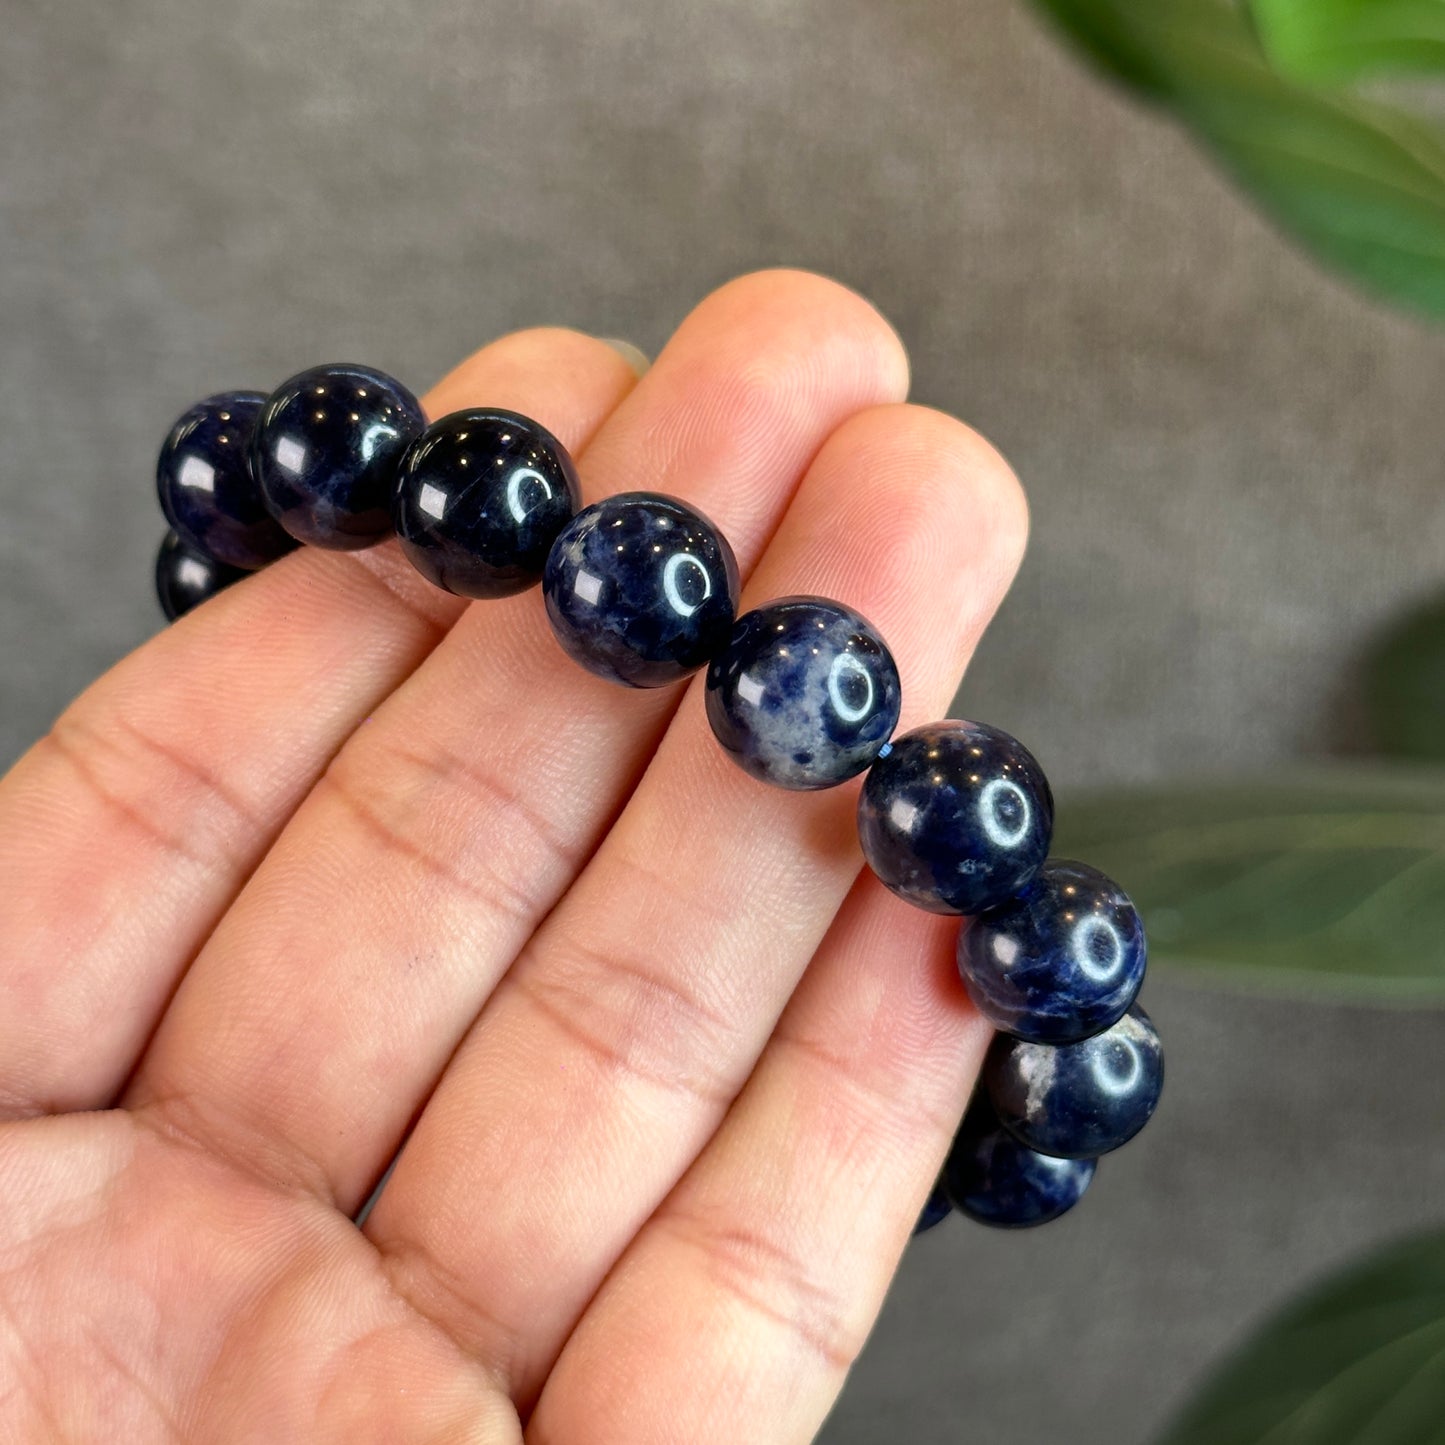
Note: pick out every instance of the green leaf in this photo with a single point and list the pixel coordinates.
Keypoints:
(1321, 885)
(1328, 41)
(1359, 1360)
(1361, 185)
(1405, 686)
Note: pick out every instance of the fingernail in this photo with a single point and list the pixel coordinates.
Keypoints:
(634, 356)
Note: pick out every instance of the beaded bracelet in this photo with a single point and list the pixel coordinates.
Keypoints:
(955, 817)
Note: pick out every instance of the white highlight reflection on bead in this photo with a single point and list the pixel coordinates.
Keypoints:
(588, 587)
(845, 665)
(193, 573)
(432, 501)
(903, 815)
(290, 455)
(670, 588)
(514, 492)
(1109, 1079)
(1056, 1166)
(988, 813)
(197, 474)
(374, 434)
(750, 689)
(1081, 945)
(1005, 949)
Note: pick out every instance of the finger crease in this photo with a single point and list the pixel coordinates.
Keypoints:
(259, 1155)
(434, 1291)
(654, 1008)
(772, 1281)
(879, 1099)
(78, 757)
(500, 893)
(488, 789)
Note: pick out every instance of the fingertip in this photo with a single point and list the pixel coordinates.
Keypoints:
(814, 308)
(634, 356)
(942, 468)
(933, 497)
(988, 477)
(915, 519)
(582, 377)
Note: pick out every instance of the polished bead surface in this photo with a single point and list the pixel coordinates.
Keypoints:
(805, 693)
(955, 817)
(480, 498)
(1061, 962)
(206, 488)
(935, 1211)
(186, 577)
(326, 450)
(641, 589)
(1080, 1100)
(995, 1180)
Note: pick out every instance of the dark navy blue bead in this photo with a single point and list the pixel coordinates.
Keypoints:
(805, 694)
(935, 1211)
(1078, 1101)
(205, 485)
(641, 589)
(186, 577)
(1061, 962)
(995, 1180)
(480, 498)
(955, 817)
(326, 449)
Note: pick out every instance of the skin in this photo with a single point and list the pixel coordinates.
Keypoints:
(336, 862)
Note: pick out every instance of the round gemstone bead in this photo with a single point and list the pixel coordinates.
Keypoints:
(641, 589)
(935, 1211)
(326, 449)
(995, 1180)
(206, 488)
(955, 817)
(1078, 1101)
(1061, 962)
(186, 577)
(805, 693)
(480, 498)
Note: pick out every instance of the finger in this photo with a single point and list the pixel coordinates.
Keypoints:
(607, 1057)
(737, 1311)
(128, 830)
(153, 1295)
(329, 1001)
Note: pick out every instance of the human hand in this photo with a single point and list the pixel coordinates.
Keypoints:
(336, 856)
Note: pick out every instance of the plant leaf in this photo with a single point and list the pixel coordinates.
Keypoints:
(1331, 884)
(1405, 686)
(1361, 185)
(1359, 1360)
(1329, 41)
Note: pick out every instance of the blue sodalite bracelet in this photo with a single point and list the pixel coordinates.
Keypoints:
(955, 817)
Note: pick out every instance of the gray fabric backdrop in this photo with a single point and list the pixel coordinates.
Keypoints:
(1233, 463)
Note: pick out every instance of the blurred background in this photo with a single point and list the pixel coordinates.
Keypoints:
(1233, 459)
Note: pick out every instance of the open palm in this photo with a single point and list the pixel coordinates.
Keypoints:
(336, 863)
